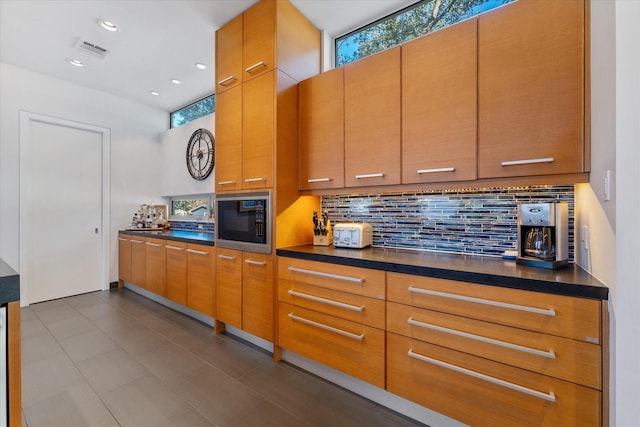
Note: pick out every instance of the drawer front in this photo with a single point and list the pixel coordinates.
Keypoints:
(354, 280)
(349, 347)
(569, 317)
(477, 391)
(356, 308)
(558, 357)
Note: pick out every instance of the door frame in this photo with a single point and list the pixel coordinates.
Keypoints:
(26, 118)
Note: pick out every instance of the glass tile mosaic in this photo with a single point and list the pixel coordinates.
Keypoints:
(207, 227)
(479, 221)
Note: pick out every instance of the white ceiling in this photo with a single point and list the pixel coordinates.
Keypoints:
(158, 40)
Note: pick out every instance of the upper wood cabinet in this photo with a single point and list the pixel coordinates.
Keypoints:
(439, 100)
(229, 55)
(372, 120)
(531, 89)
(258, 35)
(321, 131)
(228, 171)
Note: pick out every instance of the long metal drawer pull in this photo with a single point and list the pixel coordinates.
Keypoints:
(174, 248)
(226, 182)
(312, 180)
(153, 244)
(435, 170)
(548, 354)
(223, 82)
(255, 179)
(329, 275)
(230, 258)
(370, 175)
(325, 327)
(326, 301)
(124, 240)
(254, 66)
(528, 161)
(549, 312)
(551, 397)
(252, 262)
(136, 241)
(193, 251)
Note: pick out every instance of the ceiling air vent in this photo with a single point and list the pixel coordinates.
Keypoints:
(93, 49)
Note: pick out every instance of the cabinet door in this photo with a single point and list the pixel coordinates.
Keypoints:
(258, 50)
(257, 295)
(229, 55)
(124, 258)
(201, 278)
(156, 274)
(372, 120)
(229, 140)
(439, 84)
(531, 99)
(229, 287)
(321, 130)
(177, 272)
(258, 131)
(138, 262)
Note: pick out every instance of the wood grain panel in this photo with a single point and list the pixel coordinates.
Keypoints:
(124, 258)
(138, 261)
(301, 59)
(176, 271)
(258, 131)
(229, 286)
(576, 318)
(228, 126)
(201, 278)
(439, 86)
(258, 34)
(229, 55)
(156, 266)
(258, 295)
(476, 401)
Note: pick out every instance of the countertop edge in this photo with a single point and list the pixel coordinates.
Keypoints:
(9, 284)
(166, 235)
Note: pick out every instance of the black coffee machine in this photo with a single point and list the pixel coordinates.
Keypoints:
(543, 234)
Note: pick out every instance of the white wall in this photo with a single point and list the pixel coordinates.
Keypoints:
(135, 147)
(176, 180)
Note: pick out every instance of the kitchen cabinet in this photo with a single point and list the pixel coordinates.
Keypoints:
(124, 259)
(321, 131)
(229, 55)
(229, 140)
(439, 84)
(258, 37)
(372, 120)
(200, 278)
(138, 261)
(155, 264)
(531, 90)
(176, 271)
(229, 287)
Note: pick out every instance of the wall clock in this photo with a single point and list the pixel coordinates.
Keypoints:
(200, 154)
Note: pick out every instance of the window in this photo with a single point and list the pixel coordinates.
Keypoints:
(414, 21)
(198, 208)
(193, 111)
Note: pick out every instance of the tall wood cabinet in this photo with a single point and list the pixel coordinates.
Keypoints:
(200, 278)
(531, 89)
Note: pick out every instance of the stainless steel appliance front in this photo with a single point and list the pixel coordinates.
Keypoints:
(243, 221)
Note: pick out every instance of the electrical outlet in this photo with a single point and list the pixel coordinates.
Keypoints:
(584, 237)
(606, 182)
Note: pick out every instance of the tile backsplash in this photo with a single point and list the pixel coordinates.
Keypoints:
(479, 221)
(207, 227)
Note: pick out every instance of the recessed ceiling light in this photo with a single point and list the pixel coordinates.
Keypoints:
(109, 26)
(76, 62)
(154, 93)
(175, 81)
(200, 66)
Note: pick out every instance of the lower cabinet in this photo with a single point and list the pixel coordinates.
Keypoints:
(200, 278)
(176, 271)
(156, 273)
(124, 258)
(139, 261)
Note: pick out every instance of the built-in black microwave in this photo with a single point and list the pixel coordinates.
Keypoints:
(243, 221)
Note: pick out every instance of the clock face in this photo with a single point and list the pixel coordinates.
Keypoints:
(200, 154)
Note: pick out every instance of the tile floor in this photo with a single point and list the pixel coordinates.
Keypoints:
(116, 358)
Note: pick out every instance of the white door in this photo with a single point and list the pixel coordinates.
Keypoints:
(62, 202)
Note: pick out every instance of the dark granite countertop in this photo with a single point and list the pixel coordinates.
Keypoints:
(177, 235)
(570, 281)
(9, 284)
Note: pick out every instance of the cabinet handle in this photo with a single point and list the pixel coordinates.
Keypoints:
(549, 312)
(226, 182)
(326, 301)
(175, 248)
(551, 397)
(548, 354)
(325, 327)
(252, 262)
(255, 179)
(370, 175)
(329, 275)
(435, 170)
(528, 161)
(153, 244)
(254, 66)
(312, 180)
(224, 82)
(193, 251)
(136, 241)
(227, 257)
(123, 239)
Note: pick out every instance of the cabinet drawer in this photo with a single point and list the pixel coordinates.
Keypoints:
(360, 281)
(477, 391)
(570, 317)
(356, 308)
(558, 357)
(349, 347)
